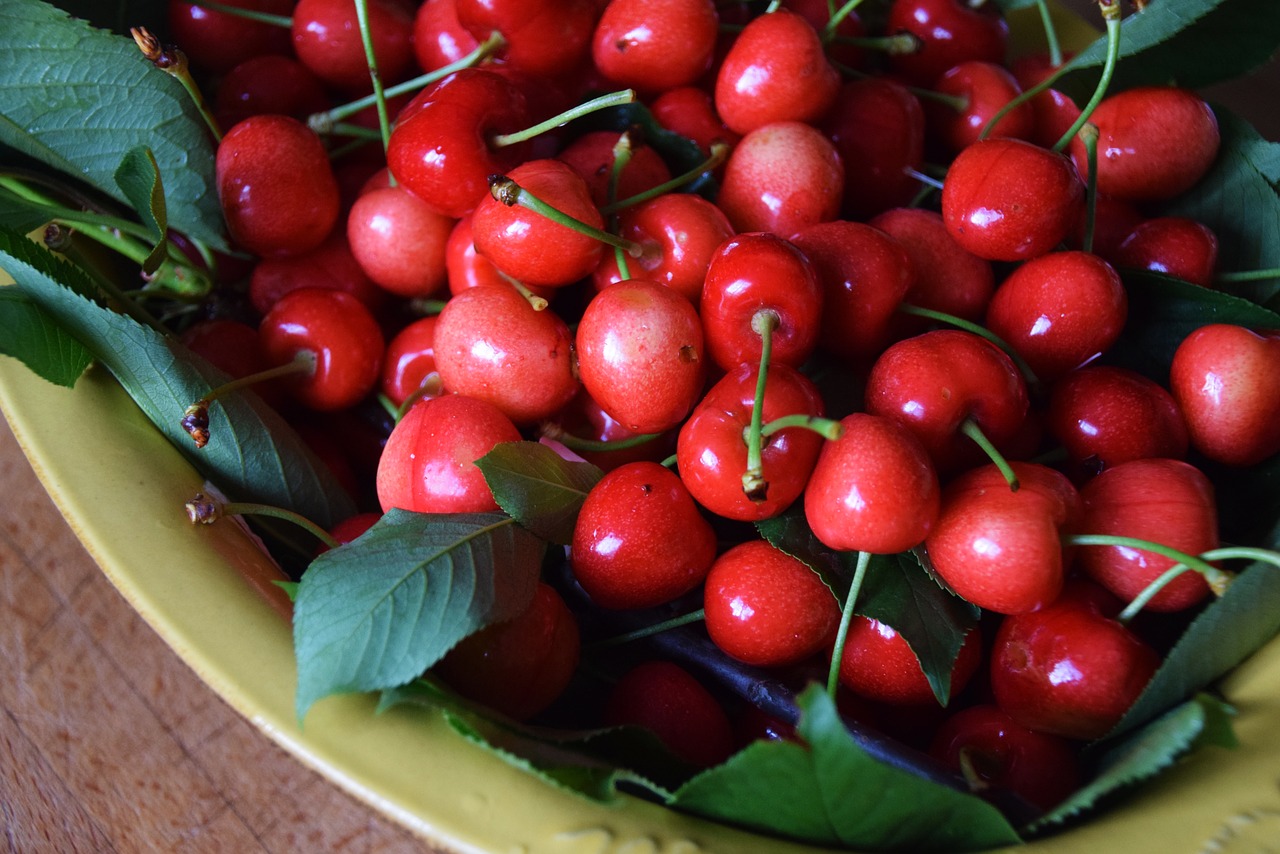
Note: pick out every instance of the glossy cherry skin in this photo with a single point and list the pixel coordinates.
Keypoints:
(878, 127)
(639, 540)
(1059, 311)
(410, 358)
(277, 190)
(754, 273)
(1154, 142)
(399, 241)
(640, 354)
(1010, 200)
(1169, 502)
(666, 699)
(775, 71)
(691, 112)
(782, 177)
(438, 39)
(326, 38)
(1224, 380)
(655, 45)
(985, 87)
(268, 84)
(712, 447)
(342, 335)
(584, 418)
(592, 156)
(466, 268)
(950, 32)
(874, 489)
(330, 265)
(491, 344)
(1000, 753)
(879, 664)
(218, 41)
(544, 38)
(1068, 669)
(818, 13)
(1172, 245)
(766, 608)
(1104, 416)
(1054, 111)
(428, 464)
(439, 148)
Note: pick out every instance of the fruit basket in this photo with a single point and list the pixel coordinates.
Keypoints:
(239, 643)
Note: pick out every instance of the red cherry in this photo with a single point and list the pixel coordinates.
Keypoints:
(782, 177)
(877, 126)
(409, 360)
(766, 608)
(668, 700)
(330, 265)
(985, 88)
(1010, 200)
(1054, 111)
(229, 345)
(543, 38)
(1224, 379)
(873, 489)
(428, 464)
(351, 529)
(839, 48)
(1113, 220)
(276, 187)
(466, 268)
(219, 41)
(640, 540)
(399, 241)
(1175, 246)
(326, 38)
(584, 418)
(438, 39)
(690, 112)
(268, 84)
(950, 32)
(591, 156)
(879, 664)
(655, 45)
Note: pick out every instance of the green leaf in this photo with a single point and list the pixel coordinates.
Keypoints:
(540, 489)
(22, 215)
(1189, 43)
(836, 794)
(138, 177)
(380, 610)
(1200, 721)
(27, 333)
(79, 99)
(253, 455)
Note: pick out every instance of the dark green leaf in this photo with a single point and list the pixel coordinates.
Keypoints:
(78, 99)
(790, 532)
(1008, 6)
(540, 489)
(253, 455)
(1200, 721)
(30, 335)
(139, 179)
(22, 215)
(836, 794)
(379, 611)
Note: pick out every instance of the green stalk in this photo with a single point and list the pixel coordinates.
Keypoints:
(1218, 579)
(829, 31)
(846, 618)
(613, 99)
(1089, 136)
(510, 193)
(719, 151)
(824, 427)
(204, 510)
(970, 428)
(576, 443)
(1249, 275)
(1050, 34)
(1033, 382)
(649, 631)
(1111, 14)
(380, 98)
(250, 14)
(753, 482)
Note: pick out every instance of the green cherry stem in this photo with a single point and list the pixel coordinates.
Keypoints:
(173, 62)
(970, 428)
(586, 108)
(510, 193)
(824, 427)
(1089, 136)
(557, 433)
(429, 387)
(927, 180)
(1033, 382)
(622, 151)
(1111, 15)
(1249, 275)
(380, 97)
(1218, 579)
(837, 18)
(195, 418)
(1230, 553)
(719, 151)
(205, 510)
(846, 619)
(898, 44)
(649, 631)
(250, 14)
(1050, 34)
(753, 482)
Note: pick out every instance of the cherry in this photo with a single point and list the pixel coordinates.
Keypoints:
(277, 190)
(231, 346)
(666, 699)
(438, 39)
(640, 354)
(399, 241)
(410, 358)
(268, 84)
(466, 268)
(1114, 220)
(428, 464)
(879, 664)
(544, 38)
(1168, 502)
(766, 608)
(219, 41)
(655, 45)
(1224, 380)
(1104, 416)
(1059, 311)
(993, 751)
(1068, 669)
(712, 446)
(874, 489)
(491, 344)
(337, 333)
(592, 156)
(1010, 200)
(983, 88)
(753, 276)
(782, 177)
(691, 112)
(351, 528)
(878, 128)
(839, 44)
(1154, 142)
(639, 540)
(330, 265)
(597, 437)
(950, 32)
(1175, 246)
(775, 71)
(1055, 113)
(327, 39)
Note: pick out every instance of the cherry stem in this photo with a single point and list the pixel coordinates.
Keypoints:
(1089, 136)
(719, 151)
(1218, 579)
(195, 419)
(121, 300)
(649, 631)
(510, 193)
(586, 108)
(1232, 552)
(173, 62)
(1029, 375)
(927, 180)
(622, 151)
(970, 428)
(425, 307)
(250, 14)
(1050, 34)
(846, 619)
(898, 44)
(824, 427)
(557, 433)
(753, 483)
(380, 97)
(205, 510)
(1249, 275)
(955, 102)
(1111, 14)
(536, 302)
(429, 387)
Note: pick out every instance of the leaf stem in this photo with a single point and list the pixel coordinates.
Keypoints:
(846, 619)
(612, 99)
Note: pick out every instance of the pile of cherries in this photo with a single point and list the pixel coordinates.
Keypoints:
(830, 337)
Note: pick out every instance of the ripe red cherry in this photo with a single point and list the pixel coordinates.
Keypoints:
(873, 489)
(592, 156)
(640, 354)
(877, 126)
(428, 464)
(218, 41)
(1068, 669)
(1224, 379)
(1010, 200)
(1154, 142)
(518, 667)
(691, 112)
(640, 540)
(326, 38)
(339, 332)
(268, 84)
(1175, 246)
(1054, 111)
(950, 32)
(775, 71)
(399, 241)
(1059, 311)
(438, 39)
(879, 664)
(543, 38)
(277, 190)
(409, 360)
(464, 267)
(782, 177)
(667, 699)
(655, 45)
(985, 88)
(330, 265)
(766, 608)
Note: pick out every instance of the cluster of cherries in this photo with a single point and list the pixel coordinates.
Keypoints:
(659, 326)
